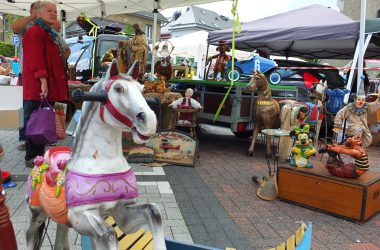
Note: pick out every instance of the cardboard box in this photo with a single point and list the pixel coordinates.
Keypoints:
(11, 118)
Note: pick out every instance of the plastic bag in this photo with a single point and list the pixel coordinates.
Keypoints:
(41, 127)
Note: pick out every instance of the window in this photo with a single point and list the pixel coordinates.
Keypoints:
(148, 31)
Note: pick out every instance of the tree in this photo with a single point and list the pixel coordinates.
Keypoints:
(128, 30)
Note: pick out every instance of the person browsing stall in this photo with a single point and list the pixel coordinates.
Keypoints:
(43, 69)
(19, 27)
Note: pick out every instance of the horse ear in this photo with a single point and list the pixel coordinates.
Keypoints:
(112, 69)
(134, 70)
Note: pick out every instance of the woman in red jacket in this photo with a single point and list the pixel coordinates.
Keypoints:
(43, 71)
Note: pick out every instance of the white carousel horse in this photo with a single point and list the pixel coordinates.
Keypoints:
(97, 181)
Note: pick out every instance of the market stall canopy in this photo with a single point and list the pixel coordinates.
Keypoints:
(311, 32)
(97, 8)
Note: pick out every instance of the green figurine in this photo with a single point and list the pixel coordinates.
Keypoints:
(303, 147)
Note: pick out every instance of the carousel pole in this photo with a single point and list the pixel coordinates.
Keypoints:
(7, 235)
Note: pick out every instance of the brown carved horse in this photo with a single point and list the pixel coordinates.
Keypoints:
(267, 110)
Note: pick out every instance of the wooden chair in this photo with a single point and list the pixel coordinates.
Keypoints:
(174, 123)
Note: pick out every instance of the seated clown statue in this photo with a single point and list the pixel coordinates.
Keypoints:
(355, 115)
(186, 103)
(353, 148)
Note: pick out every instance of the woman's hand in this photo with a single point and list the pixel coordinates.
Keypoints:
(44, 87)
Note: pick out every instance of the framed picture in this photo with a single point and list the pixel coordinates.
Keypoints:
(174, 147)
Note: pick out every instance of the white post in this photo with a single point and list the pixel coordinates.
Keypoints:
(363, 8)
(63, 18)
(63, 30)
(154, 31)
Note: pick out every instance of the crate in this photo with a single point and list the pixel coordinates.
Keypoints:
(353, 199)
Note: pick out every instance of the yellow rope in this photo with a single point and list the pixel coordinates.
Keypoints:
(236, 29)
(94, 33)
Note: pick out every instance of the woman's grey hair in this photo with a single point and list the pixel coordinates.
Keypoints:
(42, 5)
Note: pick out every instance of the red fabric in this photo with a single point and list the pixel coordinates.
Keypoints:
(309, 79)
(42, 59)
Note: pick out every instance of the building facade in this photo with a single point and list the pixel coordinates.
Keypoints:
(351, 8)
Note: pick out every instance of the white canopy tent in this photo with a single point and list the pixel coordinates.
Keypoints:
(194, 45)
(98, 8)
(71, 9)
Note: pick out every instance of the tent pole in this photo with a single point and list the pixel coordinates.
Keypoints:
(360, 86)
(63, 18)
(205, 69)
(349, 80)
(155, 11)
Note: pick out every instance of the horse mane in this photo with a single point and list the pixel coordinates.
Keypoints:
(88, 110)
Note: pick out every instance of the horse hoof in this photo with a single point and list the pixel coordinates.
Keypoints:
(250, 153)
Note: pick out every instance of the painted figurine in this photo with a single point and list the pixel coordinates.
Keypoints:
(352, 147)
(303, 148)
(356, 117)
(186, 103)
(221, 59)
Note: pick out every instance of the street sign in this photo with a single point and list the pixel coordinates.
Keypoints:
(15, 40)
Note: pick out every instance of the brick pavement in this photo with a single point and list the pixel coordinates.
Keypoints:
(227, 171)
(153, 187)
(215, 203)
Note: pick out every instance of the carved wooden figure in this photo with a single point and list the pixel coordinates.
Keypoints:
(267, 110)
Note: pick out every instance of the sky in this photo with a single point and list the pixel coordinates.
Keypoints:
(250, 10)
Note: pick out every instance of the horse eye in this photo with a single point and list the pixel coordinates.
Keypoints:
(119, 88)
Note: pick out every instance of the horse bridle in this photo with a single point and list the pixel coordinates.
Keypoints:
(111, 108)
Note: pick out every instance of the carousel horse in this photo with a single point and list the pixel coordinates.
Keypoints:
(267, 110)
(79, 189)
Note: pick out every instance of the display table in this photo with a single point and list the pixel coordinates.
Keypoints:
(164, 116)
(355, 199)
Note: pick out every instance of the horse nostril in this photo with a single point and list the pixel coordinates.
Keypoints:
(141, 117)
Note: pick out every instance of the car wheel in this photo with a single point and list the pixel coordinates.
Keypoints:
(236, 75)
(274, 78)
(243, 134)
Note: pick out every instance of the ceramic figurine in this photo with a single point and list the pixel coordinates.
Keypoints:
(267, 110)
(356, 118)
(335, 99)
(186, 103)
(80, 187)
(163, 67)
(303, 147)
(352, 147)
(221, 60)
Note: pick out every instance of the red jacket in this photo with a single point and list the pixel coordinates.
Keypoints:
(42, 59)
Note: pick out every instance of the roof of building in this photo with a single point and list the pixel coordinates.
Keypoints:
(195, 16)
